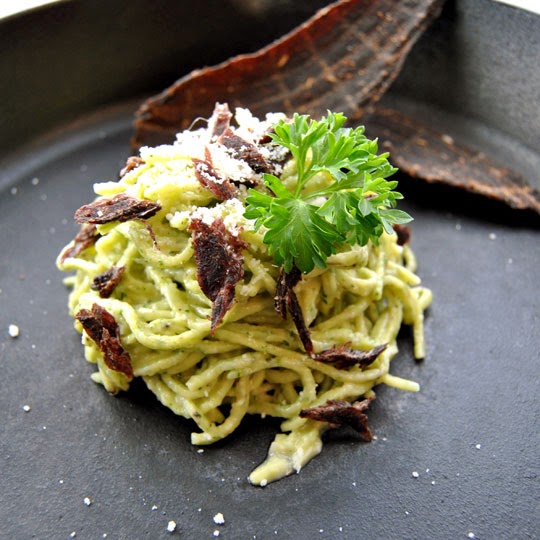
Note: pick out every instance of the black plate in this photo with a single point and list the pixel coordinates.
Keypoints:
(72, 75)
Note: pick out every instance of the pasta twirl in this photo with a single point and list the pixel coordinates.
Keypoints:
(254, 362)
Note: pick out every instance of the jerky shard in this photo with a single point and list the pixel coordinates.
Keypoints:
(85, 238)
(220, 120)
(285, 300)
(106, 282)
(102, 328)
(209, 178)
(120, 208)
(343, 58)
(245, 151)
(132, 163)
(422, 152)
(220, 264)
(344, 357)
(342, 413)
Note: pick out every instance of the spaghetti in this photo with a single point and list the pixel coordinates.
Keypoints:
(253, 362)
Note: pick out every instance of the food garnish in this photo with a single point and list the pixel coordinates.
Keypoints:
(358, 200)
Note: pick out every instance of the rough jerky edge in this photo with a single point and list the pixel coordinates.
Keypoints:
(403, 234)
(220, 120)
(343, 357)
(106, 282)
(132, 163)
(120, 208)
(423, 152)
(209, 178)
(85, 238)
(101, 327)
(285, 300)
(342, 413)
(220, 264)
(343, 58)
(245, 151)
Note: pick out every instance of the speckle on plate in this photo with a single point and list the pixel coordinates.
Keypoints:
(87, 501)
(13, 330)
(471, 535)
(216, 533)
(26, 408)
(478, 446)
(219, 519)
(171, 526)
(415, 474)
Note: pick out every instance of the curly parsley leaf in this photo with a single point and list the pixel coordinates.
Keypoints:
(354, 205)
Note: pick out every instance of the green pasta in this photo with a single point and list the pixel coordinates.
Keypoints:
(254, 362)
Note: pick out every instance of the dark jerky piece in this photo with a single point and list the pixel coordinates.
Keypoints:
(101, 328)
(132, 163)
(342, 413)
(343, 59)
(423, 152)
(209, 178)
(343, 357)
(285, 300)
(121, 208)
(106, 282)
(220, 264)
(85, 238)
(220, 120)
(403, 234)
(245, 151)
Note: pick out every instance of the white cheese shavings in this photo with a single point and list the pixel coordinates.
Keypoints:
(87, 501)
(171, 526)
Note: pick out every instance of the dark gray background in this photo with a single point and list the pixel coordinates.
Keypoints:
(71, 76)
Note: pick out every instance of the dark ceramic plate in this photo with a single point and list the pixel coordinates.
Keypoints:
(71, 76)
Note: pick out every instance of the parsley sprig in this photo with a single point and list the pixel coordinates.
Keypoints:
(304, 226)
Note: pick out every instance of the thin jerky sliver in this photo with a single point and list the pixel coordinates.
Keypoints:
(220, 264)
(422, 152)
(342, 413)
(85, 238)
(120, 208)
(285, 300)
(132, 163)
(220, 120)
(106, 282)
(343, 58)
(102, 328)
(209, 178)
(344, 357)
(245, 151)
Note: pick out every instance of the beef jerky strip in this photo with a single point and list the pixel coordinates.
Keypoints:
(220, 264)
(85, 238)
(220, 120)
(132, 163)
(343, 357)
(342, 413)
(343, 58)
(106, 282)
(285, 300)
(121, 208)
(423, 152)
(403, 234)
(209, 178)
(101, 328)
(245, 151)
